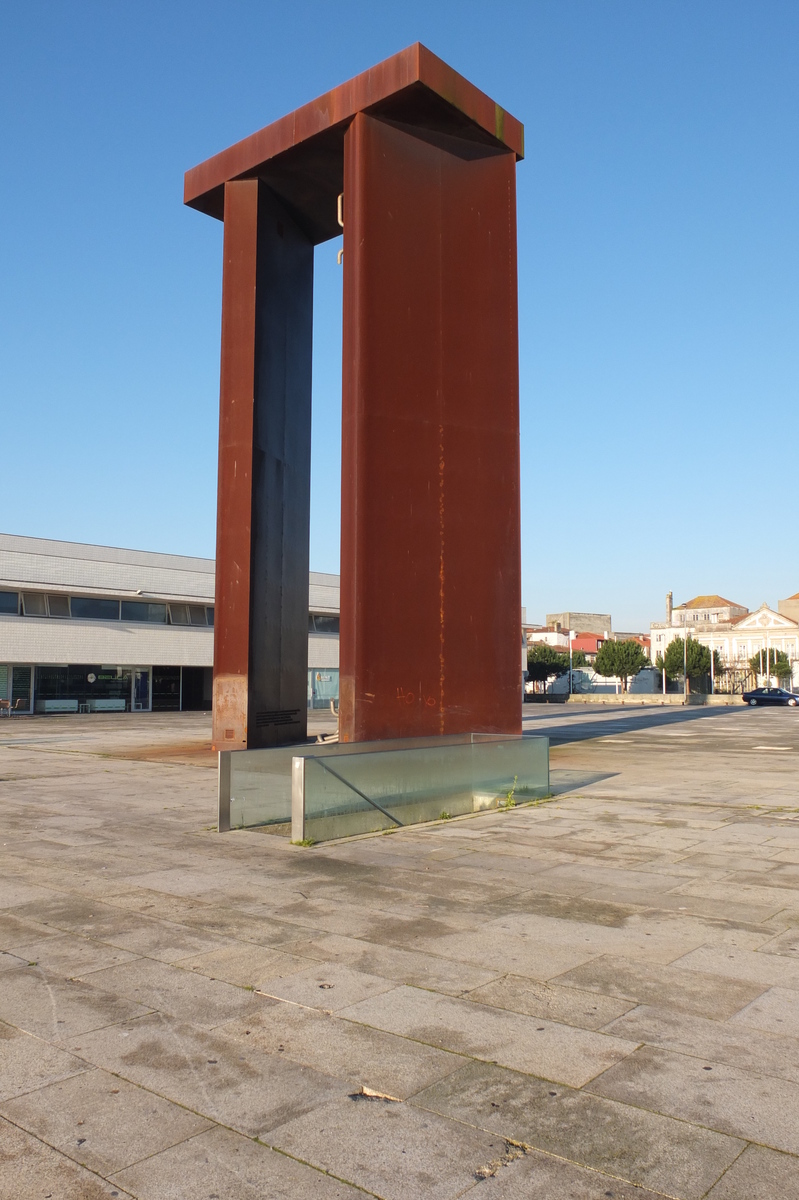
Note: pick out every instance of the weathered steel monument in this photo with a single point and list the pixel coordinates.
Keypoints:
(419, 169)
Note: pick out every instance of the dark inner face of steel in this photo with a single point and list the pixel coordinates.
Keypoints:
(430, 557)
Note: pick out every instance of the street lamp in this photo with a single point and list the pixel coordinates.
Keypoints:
(684, 663)
(571, 658)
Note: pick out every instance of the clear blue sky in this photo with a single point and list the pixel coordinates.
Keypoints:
(658, 274)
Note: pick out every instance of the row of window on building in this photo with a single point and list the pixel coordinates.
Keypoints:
(101, 608)
(86, 688)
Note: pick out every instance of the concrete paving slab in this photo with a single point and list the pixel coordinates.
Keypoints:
(157, 939)
(216, 1076)
(390, 1149)
(55, 1008)
(392, 1065)
(306, 918)
(740, 1103)
(31, 1169)
(685, 991)
(245, 964)
(403, 966)
(630, 1143)
(225, 1165)
(220, 920)
(786, 944)
(92, 918)
(176, 992)
(765, 969)
(330, 987)
(537, 1174)
(737, 1042)
(14, 892)
(102, 1122)
(27, 1062)
(16, 931)
(703, 906)
(569, 908)
(527, 1044)
(584, 877)
(65, 954)
(506, 953)
(9, 961)
(654, 941)
(737, 892)
(586, 1010)
(759, 1174)
(776, 1011)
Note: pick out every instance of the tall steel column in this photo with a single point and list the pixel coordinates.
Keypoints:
(430, 558)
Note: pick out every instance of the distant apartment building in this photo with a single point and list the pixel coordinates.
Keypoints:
(545, 635)
(580, 622)
(98, 629)
(703, 616)
(590, 644)
(790, 607)
(730, 628)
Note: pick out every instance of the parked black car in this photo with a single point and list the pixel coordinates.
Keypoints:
(770, 696)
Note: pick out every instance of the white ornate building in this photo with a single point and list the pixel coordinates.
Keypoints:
(729, 628)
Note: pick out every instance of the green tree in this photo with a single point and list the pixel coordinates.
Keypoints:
(697, 656)
(544, 662)
(621, 659)
(773, 662)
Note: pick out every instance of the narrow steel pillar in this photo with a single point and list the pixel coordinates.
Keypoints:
(261, 619)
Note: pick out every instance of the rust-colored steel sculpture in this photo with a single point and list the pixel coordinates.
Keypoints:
(430, 558)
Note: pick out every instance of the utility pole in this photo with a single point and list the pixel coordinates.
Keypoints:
(571, 659)
(685, 663)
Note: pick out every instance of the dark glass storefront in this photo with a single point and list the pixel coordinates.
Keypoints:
(100, 688)
(166, 689)
(91, 688)
(187, 689)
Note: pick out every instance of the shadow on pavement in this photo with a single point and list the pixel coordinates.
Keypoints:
(562, 780)
(561, 729)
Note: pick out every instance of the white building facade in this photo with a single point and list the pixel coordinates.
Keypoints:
(737, 634)
(101, 629)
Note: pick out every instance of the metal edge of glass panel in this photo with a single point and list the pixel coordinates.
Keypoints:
(223, 794)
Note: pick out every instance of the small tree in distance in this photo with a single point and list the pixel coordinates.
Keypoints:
(697, 656)
(621, 659)
(771, 662)
(544, 662)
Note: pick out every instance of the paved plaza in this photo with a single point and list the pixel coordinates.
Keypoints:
(593, 997)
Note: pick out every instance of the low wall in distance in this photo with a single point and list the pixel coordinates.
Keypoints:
(642, 698)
